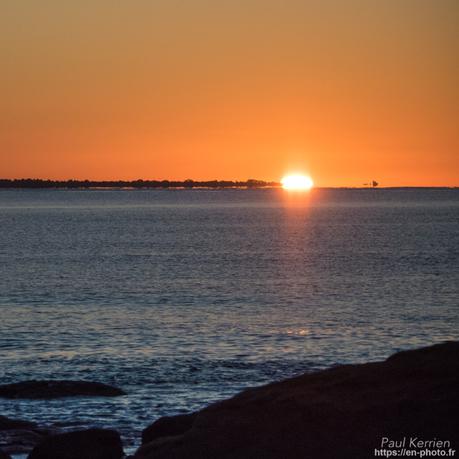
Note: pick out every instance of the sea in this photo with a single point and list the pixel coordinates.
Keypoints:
(185, 297)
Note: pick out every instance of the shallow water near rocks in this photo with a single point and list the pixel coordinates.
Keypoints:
(184, 297)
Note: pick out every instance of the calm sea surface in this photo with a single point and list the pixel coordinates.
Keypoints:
(185, 297)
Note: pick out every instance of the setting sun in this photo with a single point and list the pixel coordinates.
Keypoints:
(297, 182)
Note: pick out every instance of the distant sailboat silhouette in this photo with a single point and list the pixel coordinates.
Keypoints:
(372, 184)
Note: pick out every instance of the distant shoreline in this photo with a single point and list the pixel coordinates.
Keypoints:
(171, 184)
(135, 184)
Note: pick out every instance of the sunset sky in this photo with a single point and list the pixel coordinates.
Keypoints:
(346, 91)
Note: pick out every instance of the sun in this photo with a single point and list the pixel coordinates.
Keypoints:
(297, 182)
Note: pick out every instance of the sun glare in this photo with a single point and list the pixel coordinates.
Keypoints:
(297, 182)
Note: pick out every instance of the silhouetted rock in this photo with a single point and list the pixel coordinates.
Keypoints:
(11, 424)
(168, 426)
(87, 444)
(340, 413)
(3, 455)
(21, 441)
(55, 389)
(17, 436)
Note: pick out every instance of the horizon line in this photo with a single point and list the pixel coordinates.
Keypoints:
(177, 184)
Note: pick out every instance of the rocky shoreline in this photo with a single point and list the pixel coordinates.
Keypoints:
(345, 412)
(56, 389)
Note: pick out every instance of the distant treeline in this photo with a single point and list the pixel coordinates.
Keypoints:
(38, 183)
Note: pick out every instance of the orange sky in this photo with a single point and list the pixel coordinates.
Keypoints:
(347, 90)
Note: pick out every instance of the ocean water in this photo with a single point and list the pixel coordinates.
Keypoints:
(183, 297)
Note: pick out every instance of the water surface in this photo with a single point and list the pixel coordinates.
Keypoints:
(182, 297)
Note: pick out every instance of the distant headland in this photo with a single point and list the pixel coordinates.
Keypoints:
(35, 183)
(137, 184)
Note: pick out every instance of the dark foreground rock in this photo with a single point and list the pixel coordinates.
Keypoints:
(84, 444)
(18, 437)
(168, 426)
(340, 413)
(56, 389)
(3, 455)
